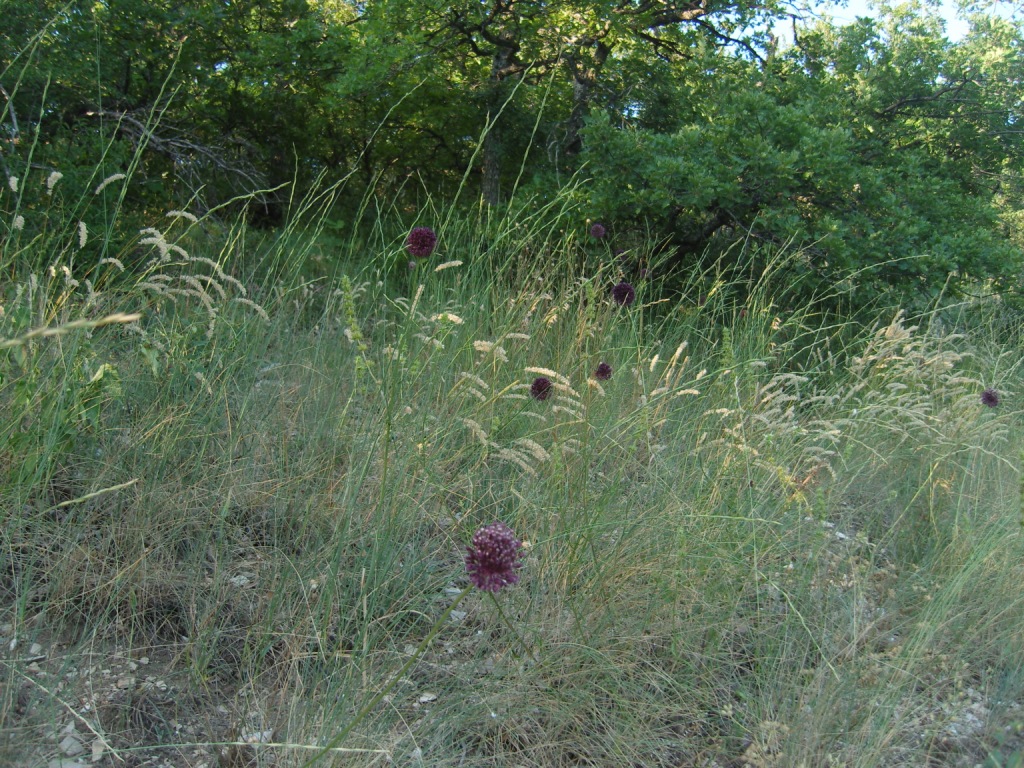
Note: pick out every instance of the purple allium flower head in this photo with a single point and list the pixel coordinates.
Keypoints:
(493, 558)
(421, 241)
(990, 398)
(597, 231)
(541, 388)
(624, 294)
(603, 372)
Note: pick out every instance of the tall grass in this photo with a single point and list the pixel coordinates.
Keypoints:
(766, 539)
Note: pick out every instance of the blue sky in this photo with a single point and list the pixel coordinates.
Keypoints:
(955, 28)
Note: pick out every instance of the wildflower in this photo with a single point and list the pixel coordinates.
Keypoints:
(597, 231)
(51, 181)
(624, 294)
(83, 236)
(421, 242)
(603, 372)
(19, 222)
(12, 183)
(990, 398)
(493, 557)
(541, 388)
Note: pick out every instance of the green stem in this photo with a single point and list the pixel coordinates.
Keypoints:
(362, 713)
(501, 613)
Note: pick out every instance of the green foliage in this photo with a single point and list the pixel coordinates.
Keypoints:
(884, 149)
(757, 515)
(888, 153)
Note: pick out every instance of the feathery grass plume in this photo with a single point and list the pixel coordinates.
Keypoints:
(570, 446)
(534, 448)
(514, 457)
(51, 181)
(569, 394)
(493, 558)
(490, 348)
(204, 282)
(65, 328)
(12, 184)
(156, 238)
(472, 377)
(108, 181)
(447, 265)
(594, 384)
(191, 218)
(548, 373)
(253, 306)
(222, 275)
(416, 300)
(18, 223)
(572, 412)
(420, 242)
(429, 340)
(83, 237)
(474, 392)
(477, 430)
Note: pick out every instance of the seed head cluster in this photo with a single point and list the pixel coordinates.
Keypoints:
(420, 242)
(493, 558)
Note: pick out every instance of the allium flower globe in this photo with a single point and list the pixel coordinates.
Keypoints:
(421, 242)
(597, 231)
(603, 372)
(990, 398)
(541, 388)
(624, 294)
(493, 558)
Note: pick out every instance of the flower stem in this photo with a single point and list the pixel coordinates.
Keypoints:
(501, 613)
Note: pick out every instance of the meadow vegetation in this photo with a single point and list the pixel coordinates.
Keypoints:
(241, 472)
(570, 423)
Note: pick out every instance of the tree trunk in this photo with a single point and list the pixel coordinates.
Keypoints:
(500, 64)
(583, 80)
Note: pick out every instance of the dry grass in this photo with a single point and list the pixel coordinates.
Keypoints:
(229, 524)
